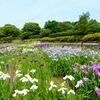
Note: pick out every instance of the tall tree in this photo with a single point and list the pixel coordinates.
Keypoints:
(82, 25)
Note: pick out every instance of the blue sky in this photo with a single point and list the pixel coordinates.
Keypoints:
(18, 12)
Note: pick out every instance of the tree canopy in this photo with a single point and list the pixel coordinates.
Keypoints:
(32, 27)
(52, 28)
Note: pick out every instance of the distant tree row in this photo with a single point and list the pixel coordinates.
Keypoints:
(53, 28)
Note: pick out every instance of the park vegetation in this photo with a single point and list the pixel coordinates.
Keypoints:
(85, 29)
(44, 72)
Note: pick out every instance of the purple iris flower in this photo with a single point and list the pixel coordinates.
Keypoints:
(85, 79)
(41, 65)
(97, 73)
(74, 67)
(95, 67)
(97, 90)
(82, 67)
(33, 61)
(89, 67)
(85, 72)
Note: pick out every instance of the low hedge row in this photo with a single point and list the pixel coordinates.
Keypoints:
(91, 37)
(62, 39)
(65, 33)
(86, 38)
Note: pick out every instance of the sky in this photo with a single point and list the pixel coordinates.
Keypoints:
(18, 12)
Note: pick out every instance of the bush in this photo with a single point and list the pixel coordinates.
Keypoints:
(62, 39)
(34, 36)
(6, 39)
(65, 33)
(91, 37)
(70, 39)
(47, 39)
(45, 32)
(58, 34)
(25, 35)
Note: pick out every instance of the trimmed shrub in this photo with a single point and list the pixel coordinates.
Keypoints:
(65, 33)
(34, 36)
(62, 39)
(6, 39)
(91, 37)
(58, 34)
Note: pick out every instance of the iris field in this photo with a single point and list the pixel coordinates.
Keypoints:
(42, 72)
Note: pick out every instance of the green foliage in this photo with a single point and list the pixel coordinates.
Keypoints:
(52, 25)
(25, 35)
(64, 26)
(28, 35)
(55, 26)
(93, 26)
(62, 39)
(53, 29)
(34, 36)
(92, 37)
(58, 34)
(48, 66)
(29, 30)
(82, 25)
(7, 39)
(45, 32)
(70, 39)
(31, 27)
(65, 33)
(1, 32)
(10, 30)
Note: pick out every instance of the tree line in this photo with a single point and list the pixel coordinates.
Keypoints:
(83, 28)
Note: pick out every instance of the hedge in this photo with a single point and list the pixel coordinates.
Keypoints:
(65, 33)
(91, 37)
(62, 39)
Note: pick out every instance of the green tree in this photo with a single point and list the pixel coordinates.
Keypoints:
(52, 25)
(34, 28)
(45, 32)
(93, 26)
(1, 32)
(64, 26)
(9, 30)
(82, 25)
(25, 35)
